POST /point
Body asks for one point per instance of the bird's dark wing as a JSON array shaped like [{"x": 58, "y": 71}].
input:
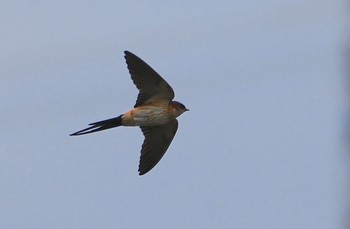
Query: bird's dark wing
[
  {"x": 151, "y": 85},
  {"x": 156, "y": 143}
]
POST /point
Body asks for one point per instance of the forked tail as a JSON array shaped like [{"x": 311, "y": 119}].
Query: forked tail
[{"x": 101, "y": 125}]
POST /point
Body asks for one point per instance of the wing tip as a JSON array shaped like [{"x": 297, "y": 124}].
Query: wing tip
[
  {"x": 128, "y": 54},
  {"x": 143, "y": 171}
]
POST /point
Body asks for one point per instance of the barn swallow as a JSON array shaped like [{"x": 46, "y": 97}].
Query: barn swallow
[{"x": 155, "y": 113}]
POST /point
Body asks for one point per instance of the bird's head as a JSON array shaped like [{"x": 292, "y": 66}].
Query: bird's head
[{"x": 178, "y": 108}]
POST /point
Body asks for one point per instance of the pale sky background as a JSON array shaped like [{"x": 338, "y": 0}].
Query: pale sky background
[{"x": 262, "y": 147}]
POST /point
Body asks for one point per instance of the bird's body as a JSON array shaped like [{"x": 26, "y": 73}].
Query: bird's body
[
  {"x": 150, "y": 115},
  {"x": 154, "y": 112}
]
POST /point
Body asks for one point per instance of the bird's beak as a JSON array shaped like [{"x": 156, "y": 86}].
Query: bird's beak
[{"x": 187, "y": 109}]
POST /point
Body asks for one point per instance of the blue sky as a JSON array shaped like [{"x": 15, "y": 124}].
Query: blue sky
[{"x": 263, "y": 145}]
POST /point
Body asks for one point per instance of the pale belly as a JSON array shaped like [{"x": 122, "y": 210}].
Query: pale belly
[{"x": 147, "y": 116}]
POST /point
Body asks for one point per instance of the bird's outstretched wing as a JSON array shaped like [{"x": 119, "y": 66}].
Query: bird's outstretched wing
[
  {"x": 152, "y": 86},
  {"x": 156, "y": 143}
]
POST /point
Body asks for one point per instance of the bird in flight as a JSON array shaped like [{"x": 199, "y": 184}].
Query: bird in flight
[{"x": 155, "y": 113}]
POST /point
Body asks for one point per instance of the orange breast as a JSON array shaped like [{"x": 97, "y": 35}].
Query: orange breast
[{"x": 147, "y": 115}]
